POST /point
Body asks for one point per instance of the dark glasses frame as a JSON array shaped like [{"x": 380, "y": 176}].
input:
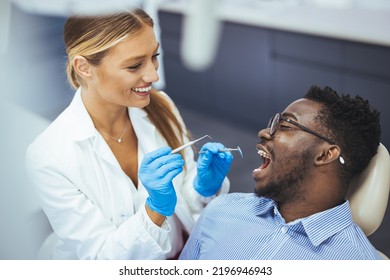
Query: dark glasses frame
[{"x": 274, "y": 124}]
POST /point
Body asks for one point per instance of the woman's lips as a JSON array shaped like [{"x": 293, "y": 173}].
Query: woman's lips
[{"x": 143, "y": 91}]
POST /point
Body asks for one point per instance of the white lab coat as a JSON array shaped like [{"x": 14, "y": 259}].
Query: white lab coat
[{"x": 88, "y": 198}]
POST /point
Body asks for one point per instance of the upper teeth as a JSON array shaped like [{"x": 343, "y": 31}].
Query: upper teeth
[
  {"x": 145, "y": 89},
  {"x": 263, "y": 154}
]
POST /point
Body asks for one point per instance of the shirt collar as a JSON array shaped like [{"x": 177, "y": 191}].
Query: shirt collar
[
  {"x": 83, "y": 127},
  {"x": 323, "y": 225},
  {"x": 144, "y": 129},
  {"x": 319, "y": 226},
  {"x": 265, "y": 206}
]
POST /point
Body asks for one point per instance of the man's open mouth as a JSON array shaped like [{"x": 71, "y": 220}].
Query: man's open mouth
[{"x": 266, "y": 160}]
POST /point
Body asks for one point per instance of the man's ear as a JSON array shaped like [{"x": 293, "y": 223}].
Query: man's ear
[
  {"x": 82, "y": 67},
  {"x": 328, "y": 154}
]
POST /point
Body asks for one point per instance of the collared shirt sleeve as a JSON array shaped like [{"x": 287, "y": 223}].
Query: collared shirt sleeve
[{"x": 191, "y": 250}]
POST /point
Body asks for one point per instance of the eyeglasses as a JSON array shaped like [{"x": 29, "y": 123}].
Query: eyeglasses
[{"x": 274, "y": 125}]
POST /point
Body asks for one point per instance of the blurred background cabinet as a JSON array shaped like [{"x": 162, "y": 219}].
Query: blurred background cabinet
[{"x": 259, "y": 71}]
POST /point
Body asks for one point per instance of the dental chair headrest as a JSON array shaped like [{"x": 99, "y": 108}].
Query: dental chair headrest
[{"x": 368, "y": 193}]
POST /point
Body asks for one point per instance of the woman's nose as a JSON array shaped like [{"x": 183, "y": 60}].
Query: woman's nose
[{"x": 150, "y": 75}]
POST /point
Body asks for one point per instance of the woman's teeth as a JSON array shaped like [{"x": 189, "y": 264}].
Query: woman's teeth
[{"x": 145, "y": 89}]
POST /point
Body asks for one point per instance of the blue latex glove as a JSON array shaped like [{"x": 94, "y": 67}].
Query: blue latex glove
[
  {"x": 212, "y": 169},
  {"x": 156, "y": 173}
]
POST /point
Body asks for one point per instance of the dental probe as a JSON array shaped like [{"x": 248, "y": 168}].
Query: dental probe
[
  {"x": 178, "y": 149},
  {"x": 238, "y": 149}
]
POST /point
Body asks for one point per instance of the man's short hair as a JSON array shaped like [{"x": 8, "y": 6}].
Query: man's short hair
[{"x": 351, "y": 122}]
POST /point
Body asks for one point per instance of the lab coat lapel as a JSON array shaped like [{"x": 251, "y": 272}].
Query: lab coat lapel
[
  {"x": 102, "y": 149},
  {"x": 148, "y": 138},
  {"x": 84, "y": 129},
  {"x": 80, "y": 121},
  {"x": 145, "y": 131}
]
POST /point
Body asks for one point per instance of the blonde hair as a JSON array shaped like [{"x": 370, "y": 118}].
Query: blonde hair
[{"x": 93, "y": 36}]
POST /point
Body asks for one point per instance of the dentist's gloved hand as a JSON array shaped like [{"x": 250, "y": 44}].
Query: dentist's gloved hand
[
  {"x": 156, "y": 173},
  {"x": 212, "y": 169}
]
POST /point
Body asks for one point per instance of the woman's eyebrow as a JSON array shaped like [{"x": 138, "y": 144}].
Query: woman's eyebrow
[{"x": 140, "y": 56}]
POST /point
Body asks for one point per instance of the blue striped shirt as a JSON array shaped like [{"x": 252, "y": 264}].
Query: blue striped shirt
[{"x": 242, "y": 226}]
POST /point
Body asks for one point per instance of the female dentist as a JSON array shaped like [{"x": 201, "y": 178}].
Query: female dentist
[{"x": 104, "y": 171}]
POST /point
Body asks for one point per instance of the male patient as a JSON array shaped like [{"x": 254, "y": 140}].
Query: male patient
[{"x": 310, "y": 153}]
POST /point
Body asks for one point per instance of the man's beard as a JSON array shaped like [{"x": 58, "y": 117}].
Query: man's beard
[{"x": 286, "y": 187}]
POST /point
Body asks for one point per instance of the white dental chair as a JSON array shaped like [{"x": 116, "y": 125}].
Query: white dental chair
[{"x": 368, "y": 193}]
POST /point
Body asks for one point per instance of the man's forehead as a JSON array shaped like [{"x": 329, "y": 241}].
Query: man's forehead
[{"x": 302, "y": 107}]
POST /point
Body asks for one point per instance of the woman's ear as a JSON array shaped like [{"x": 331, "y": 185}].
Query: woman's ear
[
  {"x": 328, "y": 154},
  {"x": 82, "y": 67}
]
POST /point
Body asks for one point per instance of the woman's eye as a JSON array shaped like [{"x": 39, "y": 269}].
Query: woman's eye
[
  {"x": 154, "y": 57},
  {"x": 134, "y": 67}
]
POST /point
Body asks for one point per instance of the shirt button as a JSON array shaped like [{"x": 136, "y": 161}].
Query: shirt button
[{"x": 284, "y": 229}]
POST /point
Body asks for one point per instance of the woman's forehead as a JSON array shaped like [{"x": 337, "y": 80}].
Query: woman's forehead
[{"x": 135, "y": 46}]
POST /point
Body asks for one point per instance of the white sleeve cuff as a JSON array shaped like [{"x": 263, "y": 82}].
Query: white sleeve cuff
[{"x": 159, "y": 234}]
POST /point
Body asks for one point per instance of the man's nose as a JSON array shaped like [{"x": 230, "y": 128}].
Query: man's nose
[{"x": 264, "y": 134}]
